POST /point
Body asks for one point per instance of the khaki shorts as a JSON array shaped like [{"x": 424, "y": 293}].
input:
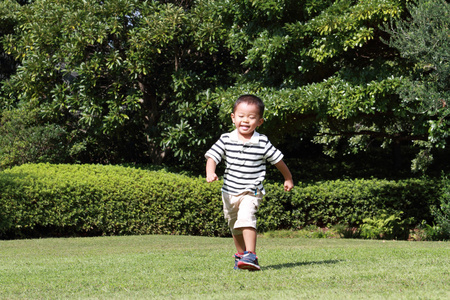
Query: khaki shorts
[{"x": 239, "y": 210}]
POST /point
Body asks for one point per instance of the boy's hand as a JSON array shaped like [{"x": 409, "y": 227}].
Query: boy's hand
[
  {"x": 288, "y": 182},
  {"x": 211, "y": 177},
  {"x": 288, "y": 185}
]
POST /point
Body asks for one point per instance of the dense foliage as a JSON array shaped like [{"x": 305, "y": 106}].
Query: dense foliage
[
  {"x": 67, "y": 200},
  {"x": 61, "y": 200},
  {"x": 120, "y": 77},
  {"x": 424, "y": 38},
  {"x": 23, "y": 140},
  {"x": 441, "y": 212},
  {"x": 153, "y": 81}
]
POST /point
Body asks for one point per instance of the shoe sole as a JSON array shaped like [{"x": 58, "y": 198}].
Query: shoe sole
[{"x": 247, "y": 266}]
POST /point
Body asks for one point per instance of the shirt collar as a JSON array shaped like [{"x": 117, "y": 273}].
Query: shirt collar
[{"x": 253, "y": 140}]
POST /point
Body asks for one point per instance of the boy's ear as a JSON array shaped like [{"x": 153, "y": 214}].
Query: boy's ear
[{"x": 261, "y": 121}]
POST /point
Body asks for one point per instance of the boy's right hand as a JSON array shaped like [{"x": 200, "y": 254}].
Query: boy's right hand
[{"x": 211, "y": 177}]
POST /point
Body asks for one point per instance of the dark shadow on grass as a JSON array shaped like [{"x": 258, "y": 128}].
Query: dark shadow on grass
[{"x": 303, "y": 263}]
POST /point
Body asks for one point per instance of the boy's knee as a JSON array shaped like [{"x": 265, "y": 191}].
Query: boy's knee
[{"x": 231, "y": 223}]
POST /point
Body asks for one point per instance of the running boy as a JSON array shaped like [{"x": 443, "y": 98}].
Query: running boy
[{"x": 245, "y": 152}]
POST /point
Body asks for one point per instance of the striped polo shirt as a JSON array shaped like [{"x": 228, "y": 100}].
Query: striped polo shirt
[{"x": 245, "y": 162}]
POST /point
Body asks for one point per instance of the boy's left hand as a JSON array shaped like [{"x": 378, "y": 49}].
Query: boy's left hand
[{"x": 288, "y": 185}]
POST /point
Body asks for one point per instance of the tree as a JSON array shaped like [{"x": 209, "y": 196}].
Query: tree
[
  {"x": 24, "y": 139},
  {"x": 8, "y": 20},
  {"x": 149, "y": 81},
  {"x": 324, "y": 71},
  {"x": 115, "y": 74},
  {"x": 424, "y": 39}
]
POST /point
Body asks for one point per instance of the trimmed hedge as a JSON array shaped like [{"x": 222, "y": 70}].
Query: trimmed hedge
[
  {"x": 347, "y": 202},
  {"x": 73, "y": 200},
  {"x": 64, "y": 200}
]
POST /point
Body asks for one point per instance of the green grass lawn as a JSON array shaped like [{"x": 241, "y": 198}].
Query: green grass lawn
[{"x": 184, "y": 267}]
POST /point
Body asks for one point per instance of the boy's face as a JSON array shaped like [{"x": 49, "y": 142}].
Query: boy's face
[{"x": 246, "y": 118}]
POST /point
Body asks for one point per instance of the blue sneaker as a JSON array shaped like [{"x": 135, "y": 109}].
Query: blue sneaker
[
  {"x": 237, "y": 258},
  {"x": 249, "y": 262}
]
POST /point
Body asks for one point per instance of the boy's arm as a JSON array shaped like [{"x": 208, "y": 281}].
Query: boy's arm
[
  {"x": 288, "y": 182},
  {"x": 211, "y": 170}
]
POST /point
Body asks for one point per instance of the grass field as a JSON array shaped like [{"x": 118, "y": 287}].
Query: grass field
[{"x": 184, "y": 267}]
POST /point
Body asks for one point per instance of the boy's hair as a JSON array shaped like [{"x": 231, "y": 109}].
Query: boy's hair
[{"x": 250, "y": 99}]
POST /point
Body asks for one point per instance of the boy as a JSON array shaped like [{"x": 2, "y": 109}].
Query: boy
[{"x": 245, "y": 152}]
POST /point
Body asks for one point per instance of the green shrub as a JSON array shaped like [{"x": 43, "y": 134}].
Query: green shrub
[
  {"x": 23, "y": 140},
  {"x": 52, "y": 200},
  {"x": 346, "y": 202},
  {"x": 427, "y": 232},
  {"x": 69, "y": 200},
  {"x": 442, "y": 212},
  {"x": 386, "y": 226}
]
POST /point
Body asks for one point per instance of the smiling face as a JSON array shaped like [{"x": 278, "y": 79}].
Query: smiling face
[{"x": 246, "y": 117}]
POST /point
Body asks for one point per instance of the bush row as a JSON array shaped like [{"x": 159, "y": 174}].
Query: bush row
[
  {"x": 62, "y": 200},
  {"x": 68, "y": 200},
  {"x": 348, "y": 202}
]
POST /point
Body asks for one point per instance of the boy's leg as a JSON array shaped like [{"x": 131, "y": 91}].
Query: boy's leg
[
  {"x": 240, "y": 248},
  {"x": 239, "y": 242},
  {"x": 230, "y": 209},
  {"x": 245, "y": 241},
  {"x": 245, "y": 245},
  {"x": 240, "y": 212},
  {"x": 249, "y": 236},
  {"x": 246, "y": 222}
]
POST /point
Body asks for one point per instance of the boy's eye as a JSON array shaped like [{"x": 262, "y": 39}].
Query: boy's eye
[{"x": 243, "y": 116}]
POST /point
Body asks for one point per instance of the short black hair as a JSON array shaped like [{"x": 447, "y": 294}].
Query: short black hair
[{"x": 250, "y": 99}]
